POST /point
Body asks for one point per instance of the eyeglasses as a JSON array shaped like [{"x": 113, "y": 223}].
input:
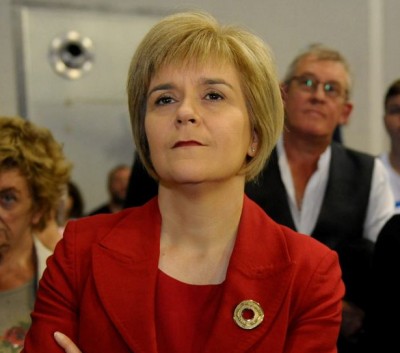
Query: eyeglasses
[{"x": 308, "y": 83}]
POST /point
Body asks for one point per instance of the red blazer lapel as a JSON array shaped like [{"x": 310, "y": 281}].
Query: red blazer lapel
[
  {"x": 260, "y": 270},
  {"x": 125, "y": 277}
]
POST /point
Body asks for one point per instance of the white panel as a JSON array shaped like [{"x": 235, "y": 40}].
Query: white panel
[
  {"x": 89, "y": 115},
  {"x": 8, "y": 81},
  {"x": 375, "y": 89}
]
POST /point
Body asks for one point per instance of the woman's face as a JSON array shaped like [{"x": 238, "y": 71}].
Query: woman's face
[
  {"x": 197, "y": 123},
  {"x": 16, "y": 212}
]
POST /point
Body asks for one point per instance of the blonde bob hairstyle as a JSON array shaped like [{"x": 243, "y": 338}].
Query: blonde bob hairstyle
[
  {"x": 196, "y": 37},
  {"x": 33, "y": 151}
]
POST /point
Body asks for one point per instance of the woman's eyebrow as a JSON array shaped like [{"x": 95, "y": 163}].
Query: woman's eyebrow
[
  {"x": 203, "y": 81},
  {"x": 216, "y": 81},
  {"x": 160, "y": 87}
]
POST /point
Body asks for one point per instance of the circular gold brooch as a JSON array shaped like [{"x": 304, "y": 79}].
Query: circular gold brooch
[{"x": 248, "y": 314}]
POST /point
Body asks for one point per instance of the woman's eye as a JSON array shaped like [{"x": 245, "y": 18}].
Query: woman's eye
[
  {"x": 7, "y": 199},
  {"x": 213, "y": 96},
  {"x": 164, "y": 100}
]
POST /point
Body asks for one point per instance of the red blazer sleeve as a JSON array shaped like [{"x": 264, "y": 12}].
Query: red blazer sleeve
[{"x": 318, "y": 310}]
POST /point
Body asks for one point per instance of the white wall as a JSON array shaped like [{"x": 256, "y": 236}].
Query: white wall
[
  {"x": 8, "y": 82},
  {"x": 365, "y": 31}
]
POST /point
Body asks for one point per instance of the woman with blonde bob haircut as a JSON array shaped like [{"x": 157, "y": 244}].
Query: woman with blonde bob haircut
[
  {"x": 196, "y": 38},
  {"x": 199, "y": 267}
]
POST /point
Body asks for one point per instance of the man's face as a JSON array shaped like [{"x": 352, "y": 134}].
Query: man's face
[
  {"x": 392, "y": 118},
  {"x": 316, "y": 98}
]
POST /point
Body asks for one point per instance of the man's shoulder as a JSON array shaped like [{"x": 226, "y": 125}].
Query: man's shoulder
[
  {"x": 352, "y": 157},
  {"x": 338, "y": 148}
]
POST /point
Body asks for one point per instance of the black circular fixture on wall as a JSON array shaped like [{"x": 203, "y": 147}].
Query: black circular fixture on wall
[{"x": 71, "y": 55}]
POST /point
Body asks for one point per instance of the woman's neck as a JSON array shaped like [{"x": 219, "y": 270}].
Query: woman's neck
[
  {"x": 17, "y": 265},
  {"x": 198, "y": 231}
]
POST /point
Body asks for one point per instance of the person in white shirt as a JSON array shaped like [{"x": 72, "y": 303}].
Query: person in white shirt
[{"x": 319, "y": 187}]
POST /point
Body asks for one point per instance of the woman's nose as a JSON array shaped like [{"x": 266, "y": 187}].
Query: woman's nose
[
  {"x": 187, "y": 113},
  {"x": 186, "y": 119}
]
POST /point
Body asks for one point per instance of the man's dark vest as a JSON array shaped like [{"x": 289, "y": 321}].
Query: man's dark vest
[
  {"x": 341, "y": 220},
  {"x": 344, "y": 206}
]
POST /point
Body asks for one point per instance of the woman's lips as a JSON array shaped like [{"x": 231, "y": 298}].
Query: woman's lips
[{"x": 187, "y": 144}]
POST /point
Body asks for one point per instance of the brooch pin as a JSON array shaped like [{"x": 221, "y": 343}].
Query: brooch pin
[{"x": 248, "y": 314}]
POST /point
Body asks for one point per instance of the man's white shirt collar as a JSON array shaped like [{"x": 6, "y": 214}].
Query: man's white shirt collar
[{"x": 305, "y": 218}]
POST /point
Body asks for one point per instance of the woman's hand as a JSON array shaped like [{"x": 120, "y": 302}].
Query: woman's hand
[{"x": 66, "y": 343}]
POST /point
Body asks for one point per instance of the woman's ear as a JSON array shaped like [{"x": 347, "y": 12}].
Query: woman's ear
[
  {"x": 37, "y": 215},
  {"x": 254, "y": 145}
]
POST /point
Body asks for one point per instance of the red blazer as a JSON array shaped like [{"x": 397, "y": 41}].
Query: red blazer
[{"x": 99, "y": 287}]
